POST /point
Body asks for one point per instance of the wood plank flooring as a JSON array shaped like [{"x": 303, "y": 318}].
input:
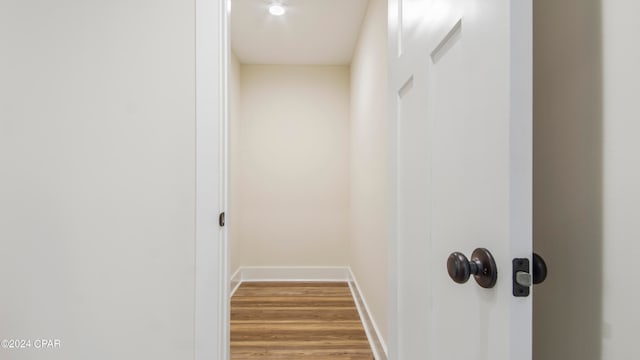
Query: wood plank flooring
[{"x": 296, "y": 320}]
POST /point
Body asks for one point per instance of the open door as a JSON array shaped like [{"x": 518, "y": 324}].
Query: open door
[{"x": 461, "y": 155}]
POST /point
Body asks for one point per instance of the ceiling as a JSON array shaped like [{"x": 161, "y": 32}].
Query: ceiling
[{"x": 318, "y": 32}]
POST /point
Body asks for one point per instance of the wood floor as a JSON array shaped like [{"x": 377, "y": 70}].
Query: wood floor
[{"x": 296, "y": 320}]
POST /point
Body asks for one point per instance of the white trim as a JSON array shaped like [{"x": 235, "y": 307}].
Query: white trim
[
  {"x": 370, "y": 327},
  {"x": 235, "y": 282},
  {"x": 211, "y": 325},
  {"x": 521, "y": 169},
  {"x": 294, "y": 273}
]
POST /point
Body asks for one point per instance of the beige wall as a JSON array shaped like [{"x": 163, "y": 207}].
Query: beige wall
[
  {"x": 234, "y": 121},
  {"x": 368, "y": 256},
  {"x": 97, "y": 178},
  {"x": 291, "y": 156},
  {"x": 586, "y": 178}
]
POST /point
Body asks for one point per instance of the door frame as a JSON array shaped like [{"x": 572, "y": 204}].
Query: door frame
[{"x": 211, "y": 314}]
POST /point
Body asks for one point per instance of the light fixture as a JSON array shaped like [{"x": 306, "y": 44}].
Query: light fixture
[{"x": 277, "y": 10}]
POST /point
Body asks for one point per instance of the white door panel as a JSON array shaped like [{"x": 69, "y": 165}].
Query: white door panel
[
  {"x": 412, "y": 202},
  {"x": 461, "y": 125}
]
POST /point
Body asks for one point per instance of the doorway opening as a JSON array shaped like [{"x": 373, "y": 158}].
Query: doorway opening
[{"x": 307, "y": 175}]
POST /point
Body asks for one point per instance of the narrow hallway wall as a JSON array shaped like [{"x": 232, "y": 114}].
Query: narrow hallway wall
[
  {"x": 235, "y": 107},
  {"x": 368, "y": 256}
]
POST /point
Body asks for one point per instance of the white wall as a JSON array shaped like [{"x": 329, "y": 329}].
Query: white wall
[
  {"x": 291, "y": 197},
  {"x": 586, "y": 179},
  {"x": 621, "y": 180},
  {"x": 97, "y": 178},
  {"x": 368, "y": 255}
]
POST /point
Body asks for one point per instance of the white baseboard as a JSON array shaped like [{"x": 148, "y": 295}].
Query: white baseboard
[
  {"x": 235, "y": 281},
  {"x": 317, "y": 273},
  {"x": 370, "y": 327},
  {"x": 294, "y": 273}
]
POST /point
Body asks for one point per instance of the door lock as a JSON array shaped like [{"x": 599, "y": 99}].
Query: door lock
[{"x": 523, "y": 279}]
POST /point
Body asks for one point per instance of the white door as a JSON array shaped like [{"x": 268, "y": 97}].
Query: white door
[{"x": 461, "y": 153}]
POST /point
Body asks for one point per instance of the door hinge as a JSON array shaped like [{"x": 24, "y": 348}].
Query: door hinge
[{"x": 221, "y": 219}]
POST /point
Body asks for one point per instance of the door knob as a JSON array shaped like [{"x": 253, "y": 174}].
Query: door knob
[
  {"x": 482, "y": 266},
  {"x": 539, "y": 269}
]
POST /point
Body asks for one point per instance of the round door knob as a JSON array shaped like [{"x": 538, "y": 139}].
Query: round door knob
[
  {"x": 482, "y": 266},
  {"x": 458, "y": 267},
  {"x": 539, "y": 269}
]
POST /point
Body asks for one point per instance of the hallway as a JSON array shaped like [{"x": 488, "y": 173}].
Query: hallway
[{"x": 294, "y": 320}]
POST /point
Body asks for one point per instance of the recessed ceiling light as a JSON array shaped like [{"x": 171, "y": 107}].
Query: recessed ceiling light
[{"x": 277, "y": 10}]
